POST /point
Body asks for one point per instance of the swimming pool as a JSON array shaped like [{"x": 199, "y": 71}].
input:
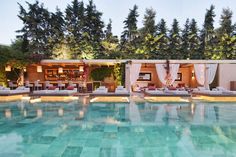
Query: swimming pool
[{"x": 117, "y": 129}]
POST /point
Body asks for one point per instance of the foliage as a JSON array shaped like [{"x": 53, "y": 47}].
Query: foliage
[
  {"x": 99, "y": 74},
  {"x": 78, "y": 33},
  {"x": 117, "y": 73}
]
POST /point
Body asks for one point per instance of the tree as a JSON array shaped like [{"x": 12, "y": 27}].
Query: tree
[
  {"x": 130, "y": 39},
  {"x": 175, "y": 41},
  {"x": 94, "y": 28},
  {"x": 130, "y": 28},
  {"x": 149, "y": 26},
  {"x": 225, "y": 49},
  {"x": 185, "y": 40},
  {"x": 208, "y": 38},
  {"x": 163, "y": 41},
  {"x": 194, "y": 41},
  {"x": 36, "y": 29}
]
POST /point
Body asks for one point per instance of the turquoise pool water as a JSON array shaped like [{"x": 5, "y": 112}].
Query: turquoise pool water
[{"x": 117, "y": 129}]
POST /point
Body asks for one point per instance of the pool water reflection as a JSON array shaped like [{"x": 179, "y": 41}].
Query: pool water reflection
[{"x": 117, "y": 129}]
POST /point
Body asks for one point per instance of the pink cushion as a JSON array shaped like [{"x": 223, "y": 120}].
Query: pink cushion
[
  {"x": 70, "y": 88},
  {"x": 151, "y": 88},
  {"x": 51, "y": 88},
  {"x": 172, "y": 88}
]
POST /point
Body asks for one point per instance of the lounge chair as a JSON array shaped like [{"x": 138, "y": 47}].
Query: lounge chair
[
  {"x": 204, "y": 91},
  {"x": 18, "y": 91},
  {"x": 121, "y": 90},
  {"x": 226, "y": 91},
  {"x": 70, "y": 83},
  {"x": 55, "y": 92},
  {"x": 101, "y": 90}
]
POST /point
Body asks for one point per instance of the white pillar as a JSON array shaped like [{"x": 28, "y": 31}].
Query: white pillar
[{"x": 206, "y": 84}]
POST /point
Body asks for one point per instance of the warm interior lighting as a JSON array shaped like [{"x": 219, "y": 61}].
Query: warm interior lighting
[
  {"x": 39, "y": 113},
  {"x": 81, "y": 114},
  {"x": 81, "y": 69},
  {"x": 60, "y": 112},
  {"x": 193, "y": 74},
  {"x": 39, "y": 69},
  {"x": 60, "y": 70},
  {"x": 8, "y": 113},
  {"x": 24, "y": 69},
  {"x": 8, "y": 68}
]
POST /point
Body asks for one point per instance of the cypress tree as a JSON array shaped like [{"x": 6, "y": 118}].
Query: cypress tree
[
  {"x": 163, "y": 41},
  {"x": 185, "y": 40},
  {"x": 149, "y": 23},
  {"x": 175, "y": 41}
]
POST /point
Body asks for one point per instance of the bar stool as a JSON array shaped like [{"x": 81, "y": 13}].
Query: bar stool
[
  {"x": 60, "y": 85},
  {"x": 37, "y": 85},
  {"x": 47, "y": 84},
  {"x": 12, "y": 85}
]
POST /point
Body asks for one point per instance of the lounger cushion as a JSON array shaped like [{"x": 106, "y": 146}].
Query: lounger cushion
[
  {"x": 70, "y": 88},
  {"x": 51, "y": 88}
]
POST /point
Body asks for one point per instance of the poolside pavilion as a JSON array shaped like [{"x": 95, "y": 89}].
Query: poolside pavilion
[{"x": 137, "y": 72}]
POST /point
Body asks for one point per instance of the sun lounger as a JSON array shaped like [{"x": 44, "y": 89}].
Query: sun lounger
[
  {"x": 166, "y": 93},
  {"x": 121, "y": 90},
  {"x": 18, "y": 91},
  {"x": 101, "y": 90},
  {"x": 55, "y": 92}
]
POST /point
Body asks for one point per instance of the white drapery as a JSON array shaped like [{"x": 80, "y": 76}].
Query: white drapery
[
  {"x": 205, "y": 73},
  {"x": 174, "y": 68},
  {"x": 211, "y": 72},
  {"x": 134, "y": 72},
  {"x": 161, "y": 72},
  {"x": 200, "y": 73},
  {"x": 132, "y": 75}
]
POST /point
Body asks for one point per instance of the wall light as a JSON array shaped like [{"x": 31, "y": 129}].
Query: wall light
[
  {"x": 8, "y": 68},
  {"x": 24, "y": 69},
  {"x": 39, "y": 69},
  {"x": 60, "y": 70},
  {"x": 81, "y": 69},
  {"x": 193, "y": 75}
]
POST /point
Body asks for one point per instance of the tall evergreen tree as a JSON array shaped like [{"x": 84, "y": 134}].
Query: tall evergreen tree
[
  {"x": 185, "y": 40},
  {"x": 207, "y": 35},
  {"x": 163, "y": 41},
  {"x": 175, "y": 41},
  {"x": 74, "y": 24},
  {"x": 194, "y": 41},
  {"x": 94, "y": 28},
  {"x": 149, "y": 24},
  {"x": 36, "y": 29},
  {"x": 130, "y": 28}
]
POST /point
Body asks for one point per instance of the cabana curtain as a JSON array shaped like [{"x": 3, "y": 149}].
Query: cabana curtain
[
  {"x": 200, "y": 73},
  {"x": 205, "y": 74},
  {"x": 161, "y": 72},
  {"x": 174, "y": 68},
  {"x": 134, "y": 73},
  {"x": 211, "y": 72}
]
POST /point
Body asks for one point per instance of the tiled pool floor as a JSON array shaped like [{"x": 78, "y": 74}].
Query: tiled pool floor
[{"x": 117, "y": 130}]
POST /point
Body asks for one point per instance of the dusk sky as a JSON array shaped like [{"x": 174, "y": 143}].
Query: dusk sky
[{"x": 118, "y": 10}]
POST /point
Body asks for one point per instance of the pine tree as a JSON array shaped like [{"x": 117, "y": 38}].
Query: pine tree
[
  {"x": 130, "y": 38},
  {"x": 163, "y": 41},
  {"x": 130, "y": 28},
  {"x": 194, "y": 42},
  {"x": 36, "y": 28},
  {"x": 185, "y": 40},
  {"x": 149, "y": 26},
  {"x": 94, "y": 28},
  {"x": 175, "y": 41},
  {"x": 207, "y": 35},
  {"x": 74, "y": 24},
  {"x": 225, "y": 33}
]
